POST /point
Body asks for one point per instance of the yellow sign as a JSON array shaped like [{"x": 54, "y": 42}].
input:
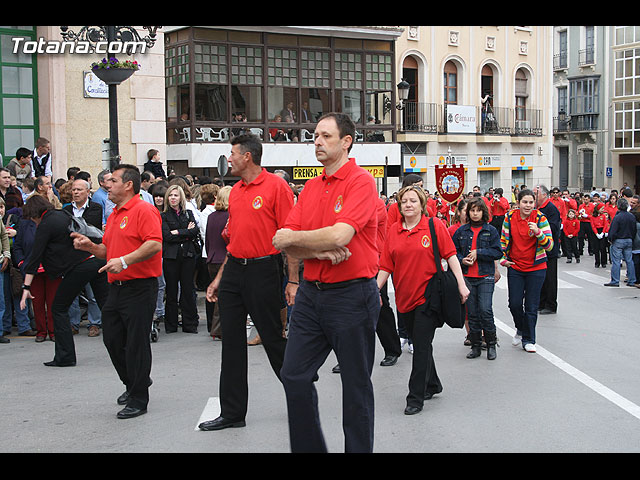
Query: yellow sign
[
  {"x": 377, "y": 172},
  {"x": 305, "y": 173}
]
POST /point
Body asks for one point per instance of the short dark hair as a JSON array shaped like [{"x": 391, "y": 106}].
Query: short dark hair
[
  {"x": 35, "y": 206},
  {"x": 345, "y": 125},
  {"x": 22, "y": 152},
  {"x": 151, "y": 153},
  {"x": 478, "y": 202},
  {"x": 130, "y": 174},
  {"x": 411, "y": 179},
  {"x": 249, "y": 143},
  {"x": 82, "y": 175},
  {"x": 145, "y": 176},
  {"x": 524, "y": 193},
  {"x": 72, "y": 172}
]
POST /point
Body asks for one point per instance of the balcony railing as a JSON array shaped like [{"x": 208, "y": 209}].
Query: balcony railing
[
  {"x": 576, "y": 123},
  {"x": 560, "y": 61},
  {"x": 586, "y": 57},
  {"x": 430, "y": 118}
]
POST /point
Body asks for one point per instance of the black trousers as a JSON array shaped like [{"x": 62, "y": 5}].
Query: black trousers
[
  {"x": 69, "y": 288},
  {"x": 585, "y": 233},
  {"x": 254, "y": 289},
  {"x": 421, "y": 324},
  {"x": 180, "y": 272},
  {"x": 343, "y": 320},
  {"x": 126, "y": 324},
  {"x": 386, "y": 329},
  {"x": 600, "y": 250},
  {"x": 549, "y": 292}
]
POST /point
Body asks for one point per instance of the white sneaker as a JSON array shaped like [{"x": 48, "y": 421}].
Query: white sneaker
[
  {"x": 517, "y": 340},
  {"x": 411, "y": 348},
  {"x": 530, "y": 347}
]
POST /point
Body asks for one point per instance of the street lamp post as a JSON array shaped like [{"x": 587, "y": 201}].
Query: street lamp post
[{"x": 94, "y": 35}]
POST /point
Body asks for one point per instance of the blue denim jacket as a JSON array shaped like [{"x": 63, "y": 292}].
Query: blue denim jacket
[{"x": 487, "y": 247}]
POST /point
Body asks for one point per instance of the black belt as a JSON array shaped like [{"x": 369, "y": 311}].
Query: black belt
[
  {"x": 122, "y": 283},
  {"x": 246, "y": 261},
  {"x": 330, "y": 286}
]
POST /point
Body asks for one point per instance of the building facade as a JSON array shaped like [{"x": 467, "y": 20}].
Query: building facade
[
  {"x": 581, "y": 107},
  {"x": 498, "y": 79},
  {"x": 275, "y": 82},
  {"x": 54, "y": 95}
]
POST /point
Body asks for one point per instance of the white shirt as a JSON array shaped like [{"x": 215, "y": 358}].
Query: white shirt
[
  {"x": 78, "y": 211},
  {"x": 47, "y": 167}
]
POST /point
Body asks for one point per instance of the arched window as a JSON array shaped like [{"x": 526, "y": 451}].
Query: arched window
[
  {"x": 450, "y": 83},
  {"x": 522, "y": 89}
]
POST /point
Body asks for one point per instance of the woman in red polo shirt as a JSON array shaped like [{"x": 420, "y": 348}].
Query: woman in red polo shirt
[{"x": 408, "y": 246}]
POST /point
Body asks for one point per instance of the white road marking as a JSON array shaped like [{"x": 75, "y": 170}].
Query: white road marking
[
  {"x": 582, "y": 377},
  {"x": 502, "y": 283},
  {"x": 211, "y": 411},
  {"x": 590, "y": 277}
]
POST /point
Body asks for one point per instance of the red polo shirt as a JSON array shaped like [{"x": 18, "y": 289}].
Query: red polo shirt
[
  {"x": 128, "y": 227},
  {"x": 256, "y": 211},
  {"x": 408, "y": 255},
  {"x": 348, "y": 196}
]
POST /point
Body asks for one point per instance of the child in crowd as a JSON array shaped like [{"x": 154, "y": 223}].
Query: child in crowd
[
  {"x": 570, "y": 230},
  {"x": 478, "y": 247},
  {"x": 600, "y": 227}
]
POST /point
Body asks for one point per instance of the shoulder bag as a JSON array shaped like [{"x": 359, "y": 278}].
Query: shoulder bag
[{"x": 445, "y": 296}]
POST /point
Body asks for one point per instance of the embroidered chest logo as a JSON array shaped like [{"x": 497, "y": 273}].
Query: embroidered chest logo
[
  {"x": 124, "y": 222},
  {"x": 426, "y": 242},
  {"x": 257, "y": 202},
  {"x": 338, "y": 206}
]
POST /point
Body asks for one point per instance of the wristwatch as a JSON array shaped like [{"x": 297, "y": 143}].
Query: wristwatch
[
  {"x": 26, "y": 287},
  {"x": 124, "y": 264}
]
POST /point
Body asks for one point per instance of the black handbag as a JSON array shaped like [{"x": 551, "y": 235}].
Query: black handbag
[{"x": 445, "y": 296}]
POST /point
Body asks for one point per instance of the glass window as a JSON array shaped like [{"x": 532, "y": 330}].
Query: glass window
[
  {"x": 17, "y": 80},
  {"x": 283, "y": 103},
  {"x": 211, "y": 102},
  {"x": 350, "y": 102},
  {"x": 246, "y": 104},
  {"x": 378, "y": 108},
  {"x": 315, "y": 103},
  {"x": 314, "y": 68}
]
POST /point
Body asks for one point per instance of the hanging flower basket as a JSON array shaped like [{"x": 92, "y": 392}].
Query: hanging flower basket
[{"x": 114, "y": 72}]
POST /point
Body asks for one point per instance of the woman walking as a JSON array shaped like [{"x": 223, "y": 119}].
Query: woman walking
[
  {"x": 526, "y": 237},
  {"x": 409, "y": 244}
]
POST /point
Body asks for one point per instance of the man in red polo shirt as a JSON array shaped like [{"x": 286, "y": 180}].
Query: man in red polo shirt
[
  {"x": 132, "y": 246},
  {"x": 250, "y": 279},
  {"x": 333, "y": 227}
]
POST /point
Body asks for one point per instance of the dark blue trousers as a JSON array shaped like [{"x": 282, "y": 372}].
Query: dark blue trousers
[
  {"x": 524, "y": 298},
  {"x": 343, "y": 320}
]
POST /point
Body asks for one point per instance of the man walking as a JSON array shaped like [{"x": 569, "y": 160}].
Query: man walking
[
  {"x": 338, "y": 303},
  {"x": 132, "y": 246},
  {"x": 549, "y": 293},
  {"x": 250, "y": 279},
  {"x": 621, "y": 234}
]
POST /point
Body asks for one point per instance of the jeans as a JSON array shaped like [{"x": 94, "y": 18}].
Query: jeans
[
  {"x": 93, "y": 311},
  {"x": 621, "y": 249},
  {"x": 12, "y": 305},
  {"x": 160, "y": 300},
  {"x": 480, "y": 303},
  {"x": 524, "y": 298}
]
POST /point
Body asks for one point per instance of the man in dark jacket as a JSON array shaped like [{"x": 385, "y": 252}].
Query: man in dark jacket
[
  {"x": 549, "y": 293},
  {"x": 621, "y": 234}
]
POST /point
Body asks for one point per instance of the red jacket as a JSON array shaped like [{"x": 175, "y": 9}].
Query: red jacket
[
  {"x": 571, "y": 227},
  {"x": 600, "y": 222}
]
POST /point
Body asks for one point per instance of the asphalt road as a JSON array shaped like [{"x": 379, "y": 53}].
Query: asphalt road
[{"x": 579, "y": 393}]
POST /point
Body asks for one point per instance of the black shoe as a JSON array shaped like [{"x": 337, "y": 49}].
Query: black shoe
[
  {"x": 130, "y": 412},
  {"x": 124, "y": 398},
  {"x": 412, "y": 410},
  {"x": 569, "y": 261},
  {"x": 388, "y": 361},
  {"x": 611, "y": 284},
  {"x": 429, "y": 395},
  {"x": 53, "y": 363},
  {"x": 220, "y": 423},
  {"x": 545, "y": 311},
  {"x": 577, "y": 259},
  {"x": 336, "y": 369},
  {"x": 4, "y": 340}
]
